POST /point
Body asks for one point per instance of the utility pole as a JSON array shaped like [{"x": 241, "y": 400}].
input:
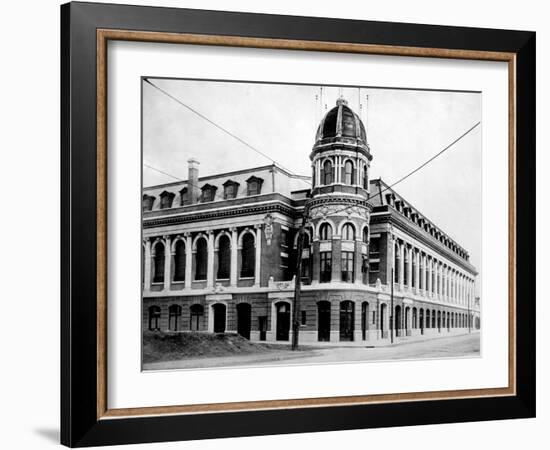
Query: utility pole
[
  {"x": 391, "y": 282},
  {"x": 298, "y": 283}
]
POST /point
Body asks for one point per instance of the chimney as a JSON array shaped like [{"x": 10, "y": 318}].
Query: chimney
[{"x": 193, "y": 190}]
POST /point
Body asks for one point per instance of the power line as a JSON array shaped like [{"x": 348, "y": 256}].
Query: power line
[
  {"x": 202, "y": 116},
  {"x": 418, "y": 168}
]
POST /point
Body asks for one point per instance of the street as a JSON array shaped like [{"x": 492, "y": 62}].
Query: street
[{"x": 444, "y": 347}]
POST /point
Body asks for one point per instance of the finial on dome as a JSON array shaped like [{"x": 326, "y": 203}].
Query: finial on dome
[{"x": 342, "y": 101}]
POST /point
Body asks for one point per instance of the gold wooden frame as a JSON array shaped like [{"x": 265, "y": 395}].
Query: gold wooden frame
[{"x": 104, "y": 35}]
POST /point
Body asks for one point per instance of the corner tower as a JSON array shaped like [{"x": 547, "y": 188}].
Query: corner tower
[{"x": 339, "y": 211}]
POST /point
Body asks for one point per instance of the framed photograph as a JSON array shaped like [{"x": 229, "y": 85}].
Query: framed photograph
[{"x": 276, "y": 224}]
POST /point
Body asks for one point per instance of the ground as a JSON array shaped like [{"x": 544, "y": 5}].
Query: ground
[{"x": 467, "y": 345}]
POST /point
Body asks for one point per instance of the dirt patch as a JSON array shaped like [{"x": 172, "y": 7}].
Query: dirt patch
[{"x": 159, "y": 347}]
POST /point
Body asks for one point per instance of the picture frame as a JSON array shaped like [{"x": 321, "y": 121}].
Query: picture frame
[{"x": 86, "y": 418}]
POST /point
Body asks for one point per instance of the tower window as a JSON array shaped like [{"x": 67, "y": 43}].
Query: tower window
[
  {"x": 327, "y": 173},
  {"x": 325, "y": 232},
  {"x": 348, "y": 232},
  {"x": 349, "y": 173},
  {"x": 326, "y": 266},
  {"x": 347, "y": 267}
]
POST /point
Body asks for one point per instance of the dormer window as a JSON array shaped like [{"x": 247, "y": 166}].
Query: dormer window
[
  {"x": 254, "y": 185},
  {"x": 230, "y": 189},
  {"x": 184, "y": 199},
  {"x": 208, "y": 193},
  {"x": 147, "y": 203},
  {"x": 166, "y": 199}
]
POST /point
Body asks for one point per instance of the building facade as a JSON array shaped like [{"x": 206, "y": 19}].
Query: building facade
[{"x": 219, "y": 252}]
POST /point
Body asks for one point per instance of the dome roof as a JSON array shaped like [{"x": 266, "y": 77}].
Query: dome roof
[{"x": 341, "y": 122}]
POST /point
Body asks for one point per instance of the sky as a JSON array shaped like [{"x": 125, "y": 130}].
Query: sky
[{"x": 404, "y": 127}]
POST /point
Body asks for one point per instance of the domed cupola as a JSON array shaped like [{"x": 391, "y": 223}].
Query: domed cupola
[
  {"x": 341, "y": 156},
  {"x": 341, "y": 122}
]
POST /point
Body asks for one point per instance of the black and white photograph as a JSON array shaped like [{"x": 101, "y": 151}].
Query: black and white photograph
[{"x": 305, "y": 224}]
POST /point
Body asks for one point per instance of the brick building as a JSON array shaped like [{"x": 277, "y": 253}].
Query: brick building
[{"x": 219, "y": 252}]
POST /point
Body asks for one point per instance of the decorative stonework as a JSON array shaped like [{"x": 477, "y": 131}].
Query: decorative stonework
[{"x": 268, "y": 229}]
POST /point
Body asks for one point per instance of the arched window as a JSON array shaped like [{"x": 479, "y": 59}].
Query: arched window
[
  {"x": 224, "y": 257},
  {"x": 197, "y": 312},
  {"x": 327, "y": 175},
  {"x": 174, "y": 317},
  {"x": 158, "y": 262},
  {"x": 248, "y": 256},
  {"x": 349, "y": 173},
  {"x": 166, "y": 199},
  {"x": 154, "y": 318},
  {"x": 325, "y": 232},
  {"x": 365, "y": 177},
  {"x": 201, "y": 259},
  {"x": 348, "y": 232},
  {"x": 366, "y": 235},
  {"x": 179, "y": 261},
  {"x": 148, "y": 201}
]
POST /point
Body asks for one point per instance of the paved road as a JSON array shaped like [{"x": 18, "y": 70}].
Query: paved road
[{"x": 444, "y": 347}]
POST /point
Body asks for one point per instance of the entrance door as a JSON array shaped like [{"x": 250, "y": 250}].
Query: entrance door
[
  {"x": 244, "y": 312},
  {"x": 323, "y": 323},
  {"x": 219, "y": 317},
  {"x": 346, "y": 320},
  {"x": 283, "y": 321}
]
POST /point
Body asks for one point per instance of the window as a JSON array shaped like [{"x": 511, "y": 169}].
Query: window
[
  {"x": 366, "y": 235},
  {"x": 179, "y": 261},
  {"x": 365, "y": 177},
  {"x": 174, "y": 317},
  {"x": 166, "y": 199},
  {"x": 254, "y": 185},
  {"x": 303, "y": 318},
  {"x": 349, "y": 173},
  {"x": 148, "y": 201},
  {"x": 154, "y": 318},
  {"x": 208, "y": 193},
  {"x": 347, "y": 267},
  {"x": 374, "y": 248},
  {"x": 374, "y": 266},
  {"x": 158, "y": 262},
  {"x": 248, "y": 256},
  {"x": 201, "y": 259},
  {"x": 325, "y": 232},
  {"x": 327, "y": 174},
  {"x": 348, "y": 232},
  {"x": 413, "y": 277},
  {"x": 230, "y": 189},
  {"x": 197, "y": 312},
  {"x": 326, "y": 266},
  {"x": 224, "y": 257}
]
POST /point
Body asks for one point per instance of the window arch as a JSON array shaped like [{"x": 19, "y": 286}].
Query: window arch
[
  {"x": 348, "y": 232},
  {"x": 248, "y": 255},
  {"x": 348, "y": 172},
  {"x": 201, "y": 259},
  {"x": 154, "y": 318},
  {"x": 224, "y": 257},
  {"x": 158, "y": 263},
  {"x": 327, "y": 172},
  {"x": 174, "y": 317},
  {"x": 325, "y": 232},
  {"x": 179, "y": 260}
]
